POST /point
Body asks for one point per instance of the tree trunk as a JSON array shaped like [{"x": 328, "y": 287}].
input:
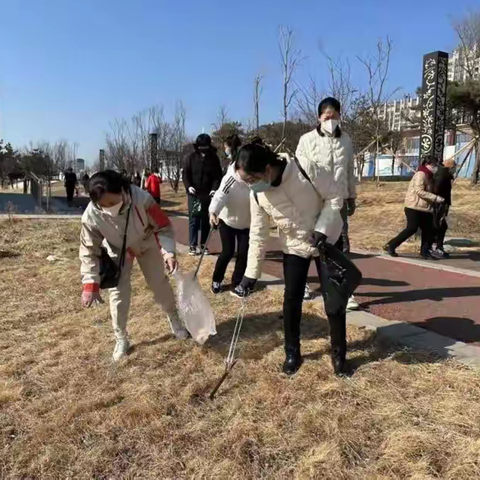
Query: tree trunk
[
  {"x": 476, "y": 167},
  {"x": 393, "y": 165}
]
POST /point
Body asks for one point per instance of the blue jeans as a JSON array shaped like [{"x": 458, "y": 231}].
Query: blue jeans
[{"x": 198, "y": 222}]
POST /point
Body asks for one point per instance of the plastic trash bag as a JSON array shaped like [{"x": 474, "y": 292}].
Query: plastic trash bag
[
  {"x": 339, "y": 277},
  {"x": 194, "y": 308}
]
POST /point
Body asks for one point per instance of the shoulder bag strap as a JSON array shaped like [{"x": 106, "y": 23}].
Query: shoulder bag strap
[
  {"x": 305, "y": 174},
  {"x": 124, "y": 246}
]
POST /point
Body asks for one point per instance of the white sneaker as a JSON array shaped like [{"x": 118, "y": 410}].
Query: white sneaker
[
  {"x": 308, "y": 293},
  {"x": 352, "y": 304},
  {"x": 121, "y": 349}
]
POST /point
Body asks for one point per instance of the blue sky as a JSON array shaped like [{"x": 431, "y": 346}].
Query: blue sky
[{"x": 69, "y": 67}]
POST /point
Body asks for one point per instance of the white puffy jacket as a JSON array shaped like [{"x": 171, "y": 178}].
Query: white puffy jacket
[
  {"x": 148, "y": 225},
  {"x": 297, "y": 209},
  {"x": 334, "y": 154},
  {"x": 232, "y": 201}
]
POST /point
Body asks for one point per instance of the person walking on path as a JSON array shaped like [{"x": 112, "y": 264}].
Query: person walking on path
[
  {"x": 330, "y": 147},
  {"x": 442, "y": 186},
  {"x": 85, "y": 179},
  {"x": 153, "y": 185},
  {"x": 202, "y": 174},
  {"x": 419, "y": 202},
  {"x": 145, "y": 175},
  {"x": 149, "y": 238},
  {"x": 307, "y": 215},
  {"x": 230, "y": 212},
  {"x": 137, "y": 180},
  {"x": 71, "y": 183}
]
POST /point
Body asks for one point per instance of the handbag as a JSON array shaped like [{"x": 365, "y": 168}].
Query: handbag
[{"x": 110, "y": 272}]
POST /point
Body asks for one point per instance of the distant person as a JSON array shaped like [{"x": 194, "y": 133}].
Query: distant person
[
  {"x": 71, "y": 183},
  {"x": 419, "y": 202},
  {"x": 328, "y": 146},
  {"x": 230, "y": 212},
  {"x": 85, "y": 179},
  {"x": 149, "y": 240},
  {"x": 230, "y": 147},
  {"x": 153, "y": 185},
  {"x": 202, "y": 174},
  {"x": 442, "y": 186},
  {"x": 137, "y": 180},
  {"x": 145, "y": 175}
]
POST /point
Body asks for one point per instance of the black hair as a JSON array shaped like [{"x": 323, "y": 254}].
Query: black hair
[
  {"x": 107, "y": 181},
  {"x": 430, "y": 160},
  {"x": 234, "y": 142},
  {"x": 254, "y": 158},
  {"x": 257, "y": 140},
  {"x": 203, "y": 141},
  {"x": 329, "y": 102}
]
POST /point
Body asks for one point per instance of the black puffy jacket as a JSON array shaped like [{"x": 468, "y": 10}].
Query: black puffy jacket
[{"x": 204, "y": 174}]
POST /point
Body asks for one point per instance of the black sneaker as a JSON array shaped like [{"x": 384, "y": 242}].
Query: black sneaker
[
  {"x": 205, "y": 251},
  {"x": 192, "y": 251},
  {"x": 239, "y": 292},
  {"x": 216, "y": 287},
  {"x": 390, "y": 250},
  {"x": 427, "y": 255}
]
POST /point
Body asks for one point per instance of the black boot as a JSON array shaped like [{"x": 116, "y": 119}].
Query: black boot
[
  {"x": 339, "y": 362},
  {"x": 293, "y": 361},
  {"x": 389, "y": 250}
]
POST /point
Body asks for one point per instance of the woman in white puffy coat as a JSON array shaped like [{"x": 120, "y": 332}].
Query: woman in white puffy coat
[
  {"x": 328, "y": 146},
  {"x": 230, "y": 212},
  {"x": 306, "y": 214}
]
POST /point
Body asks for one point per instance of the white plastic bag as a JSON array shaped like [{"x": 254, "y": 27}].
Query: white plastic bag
[{"x": 194, "y": 308}]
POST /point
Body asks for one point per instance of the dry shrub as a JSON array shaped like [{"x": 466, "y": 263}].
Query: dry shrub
[{"x": 67, "y": 412}]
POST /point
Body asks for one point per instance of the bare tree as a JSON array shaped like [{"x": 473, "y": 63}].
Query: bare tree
[
  {"x": 377, "y": 68},
  {"x": 178, "y": 140},
  {"x": 290, "y": 58},
  {"x": 257, "y": 93},
  {"x": 468, "y": 32},
  {"x": 307, "y": 101}
]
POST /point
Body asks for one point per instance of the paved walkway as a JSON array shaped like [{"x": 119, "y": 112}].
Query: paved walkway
[{"x": 442, "y": 301}]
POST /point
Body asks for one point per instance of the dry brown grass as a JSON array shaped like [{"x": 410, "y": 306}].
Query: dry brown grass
[
  {"x": 67, "y": 412},
  {"x": 380, "y": 215}
]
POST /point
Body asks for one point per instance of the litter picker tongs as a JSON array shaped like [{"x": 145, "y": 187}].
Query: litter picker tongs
[
  {"x": 203, "y": 254},
  {"x": 230, "y": 360}
]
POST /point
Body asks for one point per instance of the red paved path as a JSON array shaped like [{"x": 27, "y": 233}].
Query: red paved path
[{"x": 445, "y": 302}]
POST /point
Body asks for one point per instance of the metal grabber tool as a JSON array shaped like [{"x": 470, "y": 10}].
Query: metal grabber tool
[
  {"x": 230, "y": 360},
  {"x": 203, "y": 253}
]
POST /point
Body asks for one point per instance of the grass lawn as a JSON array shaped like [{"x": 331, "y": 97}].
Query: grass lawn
[{"x": 67, "y": 412}]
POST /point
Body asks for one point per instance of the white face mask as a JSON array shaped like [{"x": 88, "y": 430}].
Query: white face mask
[
  {"x": 113, "y": 211},
  {"x": 329, "y": 126}
]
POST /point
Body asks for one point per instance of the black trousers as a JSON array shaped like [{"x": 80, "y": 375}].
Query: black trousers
[
  {"x": 232, "y": 237},
  {"x": 415, "y": 220},
  {"x": 441, "y": 231},
  {"x": 198, "y": 222},
  {"x": 343, "y": 243},
  {"x": 70, "y": 192},
  {"x": 295, "y": 271}
]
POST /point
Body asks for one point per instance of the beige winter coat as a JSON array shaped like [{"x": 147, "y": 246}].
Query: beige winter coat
[
  {"x": 297, "y": 210},
  {"x": 419, "y": 194},
  {"x": 334, "y": 154},
  {"x": 148, "y": 225}
]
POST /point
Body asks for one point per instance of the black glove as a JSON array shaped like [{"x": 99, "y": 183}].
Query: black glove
[
  {"x": 351, "y": 206},
  {"x": 246, "y": 287},
  {"x": 317, "y": 239}
]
